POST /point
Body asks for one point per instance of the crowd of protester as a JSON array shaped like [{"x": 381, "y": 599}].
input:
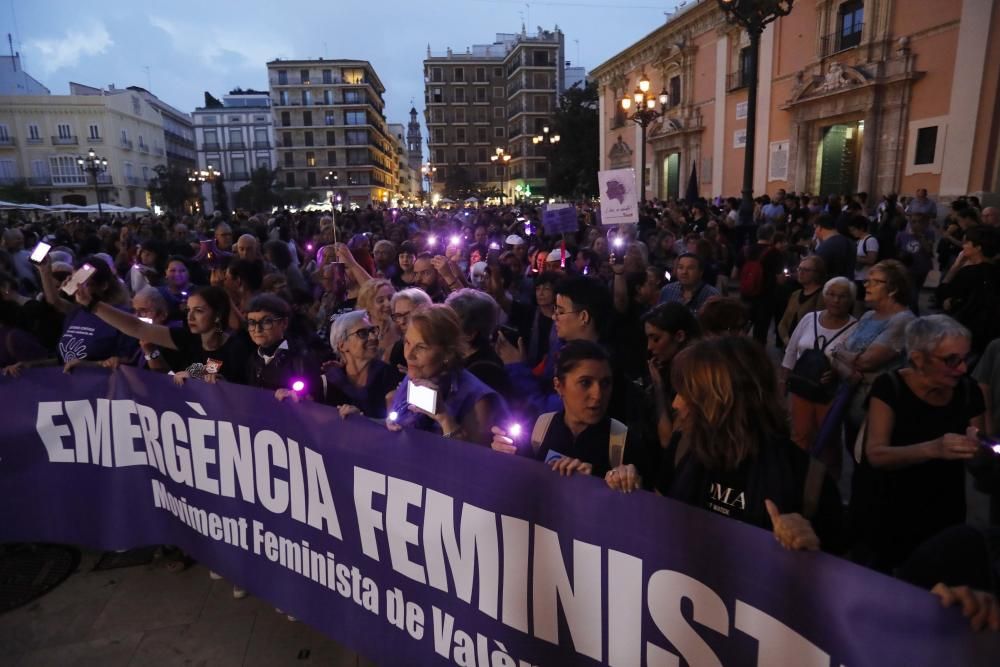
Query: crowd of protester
[{"x": 780, "y": 373}]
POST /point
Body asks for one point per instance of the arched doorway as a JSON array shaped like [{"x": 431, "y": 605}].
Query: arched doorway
[
  {"x": 840, "y": 158},
  {"x": 670, "y": 174}
]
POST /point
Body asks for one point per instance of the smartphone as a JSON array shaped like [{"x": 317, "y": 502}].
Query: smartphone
[
  {"x": 510, "y": 333},
  {"x": 81, "y": 276},
  {"x": 424, "y": 398},
  {"x": 40, "y": 252},
  {"x": 992, "y": 444},
  {"x": 147, "y": 320}
]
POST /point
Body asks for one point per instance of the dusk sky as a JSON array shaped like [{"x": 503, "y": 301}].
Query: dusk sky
[{"x": 190, "y": 47}]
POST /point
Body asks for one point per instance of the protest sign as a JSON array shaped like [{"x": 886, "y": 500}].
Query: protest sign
[
  {"x": 417, "y": 550},
  {"x": 560, "y": 219},
  {"x": 619, "y": 201}
]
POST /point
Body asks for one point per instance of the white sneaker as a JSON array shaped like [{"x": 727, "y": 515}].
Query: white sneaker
[
  {"x": 239, "y": 593},
  {"x": 214, "y": 575}
]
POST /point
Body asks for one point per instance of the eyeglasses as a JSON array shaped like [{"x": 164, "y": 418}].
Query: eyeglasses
[
  {"x": 366, "y": 333},
  {"x": 952, "y": 361},
  {"x": 559, "y": 312},
  {"x": 399, "y": 318},
  {"x": 263, "y": 324}
]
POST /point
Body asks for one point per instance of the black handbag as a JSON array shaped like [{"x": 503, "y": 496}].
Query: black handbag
[{"x": 805, "y": 379}]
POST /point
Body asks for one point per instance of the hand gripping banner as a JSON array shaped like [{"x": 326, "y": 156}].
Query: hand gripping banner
[{"x": 417, "y": 550}]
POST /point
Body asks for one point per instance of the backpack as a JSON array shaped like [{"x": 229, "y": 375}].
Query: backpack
[
  {"x": 616, "y": 441},
  {"x": 805, "y": 379},
  {"x": 752, "y": 275}
]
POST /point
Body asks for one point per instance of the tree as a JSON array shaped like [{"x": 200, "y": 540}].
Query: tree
[
  {"x": 170, "y": 188},
  {"x": 258, "y": 194},
  {"x": 18, "y": 192},
  {"x": 575, "y": 159},
  {"x": 219, "y": 194},
  {"x": 458, "y": 183}
]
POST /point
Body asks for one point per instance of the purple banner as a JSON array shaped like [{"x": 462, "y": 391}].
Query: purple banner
[
  {"x": 562, "y": 220},
  {"x": 417, "y": 550}
]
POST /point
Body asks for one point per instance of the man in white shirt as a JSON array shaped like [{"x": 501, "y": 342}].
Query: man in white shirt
[{"x": 867, "y": 249}]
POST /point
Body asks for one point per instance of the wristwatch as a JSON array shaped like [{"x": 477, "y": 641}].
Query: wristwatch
[{"x": 155, "y": 354}]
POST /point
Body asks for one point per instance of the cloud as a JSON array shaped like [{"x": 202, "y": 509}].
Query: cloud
[
  {"x": 55, "y": 53},
  {"x": 220, "y": 49}
]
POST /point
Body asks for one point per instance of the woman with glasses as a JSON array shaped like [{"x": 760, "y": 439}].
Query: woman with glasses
[
  {"x": 464, "y": 407},
  {"x": 375, "y": 298},
  {"x": 279, "y": 364},
  {"x": 910, "y": 484},
  {"x": 362, "y": 381},
  {"x": 401, "y": 305},
  {"x": 875, "y": 344},
  {"x": 811, "y": 275}
]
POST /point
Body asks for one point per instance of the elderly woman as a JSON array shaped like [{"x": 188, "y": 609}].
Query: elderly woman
[
  {"x": 401, "y": 305},
  {"x": 375, "y": 298},
  {"x": 811, "y": 274},
  {"x": 732, "y": 454},
  {"x": 478, "y": 313},
  {"x": 875, "y": 344},
  {"x": 465, "y": 407},
  {"x": 910, "y": 484},
  {"x": 362, "y": 381},
  {"x": 813, "y": 380}
]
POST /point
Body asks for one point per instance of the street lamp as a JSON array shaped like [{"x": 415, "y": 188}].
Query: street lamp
[
  {"x": 199, "y": 177},
  {"x": 546, "y": 140},
  {"x": 428, "y": 171},
  {"x": 95, "y": 165},
  {"x": 502, "y": 158},
  {"x": 331, "y": 180},
  {"x": 753, "y": 16},
  {"x": 648, "y": 107}
]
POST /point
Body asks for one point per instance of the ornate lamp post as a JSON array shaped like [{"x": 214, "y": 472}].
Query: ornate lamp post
[
  {"x": 198, "y": 177},
  {"x": 753, "y": 16},
  {"x": 546, "y": 140},
  {"x": 331, "y": 180},
  {"x": 502, "y": 158},
  {"x": 648, "y": 107},
  {"x": 95, "y": 165},
  {"x": 428, "y": 171}
]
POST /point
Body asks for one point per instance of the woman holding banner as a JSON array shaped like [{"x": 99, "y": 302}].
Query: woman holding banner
[
  {"x": 732, "y": 454},
  {"x": 362, "y": 381},
  {"x": 462, "y": 406}
]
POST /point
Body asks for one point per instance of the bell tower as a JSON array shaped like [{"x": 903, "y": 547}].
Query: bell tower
[{"x": 414, "y": 142}]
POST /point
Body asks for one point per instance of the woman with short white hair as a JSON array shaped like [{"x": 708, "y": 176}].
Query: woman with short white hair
[
  {"x": 910, "y": 483},
  {"x": 807, "y": 367},
  {"x": 401, "y": 305},
  {"x": 361, "y": 382}
]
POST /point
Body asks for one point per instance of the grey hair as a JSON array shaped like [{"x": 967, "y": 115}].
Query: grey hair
[
  {"x": 925, "y": 333},
  {"x": 842, "y": 281},
  {"x": 342, "y": 326},
  {"x": 477, "y": 310},
  {"x": 384, "y": 243},
  {"x": 155, "y": 297},
  {"x": 414, "y": 295}
]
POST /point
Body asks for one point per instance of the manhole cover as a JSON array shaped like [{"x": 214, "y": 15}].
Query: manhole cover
[
  {"x": 112, "y": 560},
  {"x": 28, "y": 571}
]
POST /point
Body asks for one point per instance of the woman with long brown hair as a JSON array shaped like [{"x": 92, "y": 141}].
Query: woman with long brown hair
[{"x": 732, "y": 454}]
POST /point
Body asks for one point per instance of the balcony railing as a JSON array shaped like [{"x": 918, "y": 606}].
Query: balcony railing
[
  {"x": 210, "y": 146},
  {"x": 133, "y": 180},
  {"x": 65, "y": 141},
  {"x": 843, "y": 39},
  {"x": 143, "y": 148},
  {"x": 239, "y": 176},
  {"x": 8, "y": 141},
  {"x": 126, "y": 144},
  {"x": 40, "y": 181},
  {"x": 95, "y": 140},
  {"x": 738, "y": 79},
  {"x": 237, "y": 145},
  {"x": 105, "y": 179},
  {"x": 262, "y": 144}
]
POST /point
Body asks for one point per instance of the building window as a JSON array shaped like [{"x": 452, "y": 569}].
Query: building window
[
  {"x": 304, "y": 77},
  {"x": 498, "y": 171},
  {"x": 850, "y": 21},
  {"x": 331, "y": 158},
  {"x": 439, "y": 155},
  {"x": 356, "y": 137},
  {"x": 459, "y": 74},
  {"x": 327, "y": 97},
  {"x": 675, "y": 91},
  {"x": 498, "y": 93},
  {"x": 327, "y": 76},
  {"x": 260, "y": 138},
  {"x": 481, "y": 155},
  {"x": 282, "y": 77},
  {"x": 65, "y": 171},
  {"x": 498, "y": 72},
  {"x": 95, "y": 132},
  {"x": 307, "y": 118},
  {"x": 460, "y": 115},
  {"x": 460, "y": 135},
  {"x": 498, "y": 113},
  {"x": 460, "y": 94},
  {"x": 436, "y": 75},
  {"x": 39, "y": 169},
  {"x": 290, "y": 179},
  {"x": 308, "y": 138},
  {"x": 498, "y": 132},
  {"x": 307, "y": 98},
  {"x": 264, "y": 163},
  {"x": 355, "y": 118},
  {"x": 310, "y": 159},
  {"x": 331, "y": 138},
  {"x": 482, "y": 134},
  {"x": 286, "y": 119},
  {"x": 283, "y": 98},
  {"x": 481, "y": 95},
  {"x": 460, "y": 156},
  {"x": 239, "y": 164},
  {"x": 286, "y": 140},
  {"x": 63, "y": 130},
  {"x": 311, "y": 179},
  {"x": 438, "y": 135},
  {"x": 289, "y": 159},
  {"x": 211, "y": 140},
  {"x": 926, "y": 145},
  {"x": 33, "y": 134},
  {"x": 235, "y": 138},
  {"x": 480, "y": 74},
  {"x": 436, "y": 95},
  {"x": 482, "y": 173}
]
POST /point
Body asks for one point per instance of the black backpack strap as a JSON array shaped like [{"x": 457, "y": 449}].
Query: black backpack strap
[{"x": 836, "y": 335}]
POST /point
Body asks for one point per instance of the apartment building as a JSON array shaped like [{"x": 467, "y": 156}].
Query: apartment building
[
  {"x": 875, "y": 96},
  {"x": 41, "y": 137},
  {"x": 332, "y": 133},
  {"x": 497, "y": 95},
  {"x": 235, "y": 136}
]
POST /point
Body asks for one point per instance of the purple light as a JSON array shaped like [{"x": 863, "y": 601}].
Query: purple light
[
  {"x": 432, "y": 240},
  {"x": 309, "y": 247},
  {"x": 298, "y": 385},
  {"x": 995, "y": 448},
  {"x": 393, "y": 416},
  {"x": 514, "y": 430},
  {"x": 494, "y": 246},
  {"x": 456, "y": 239},
  {"x": 618, "y": 242}
]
